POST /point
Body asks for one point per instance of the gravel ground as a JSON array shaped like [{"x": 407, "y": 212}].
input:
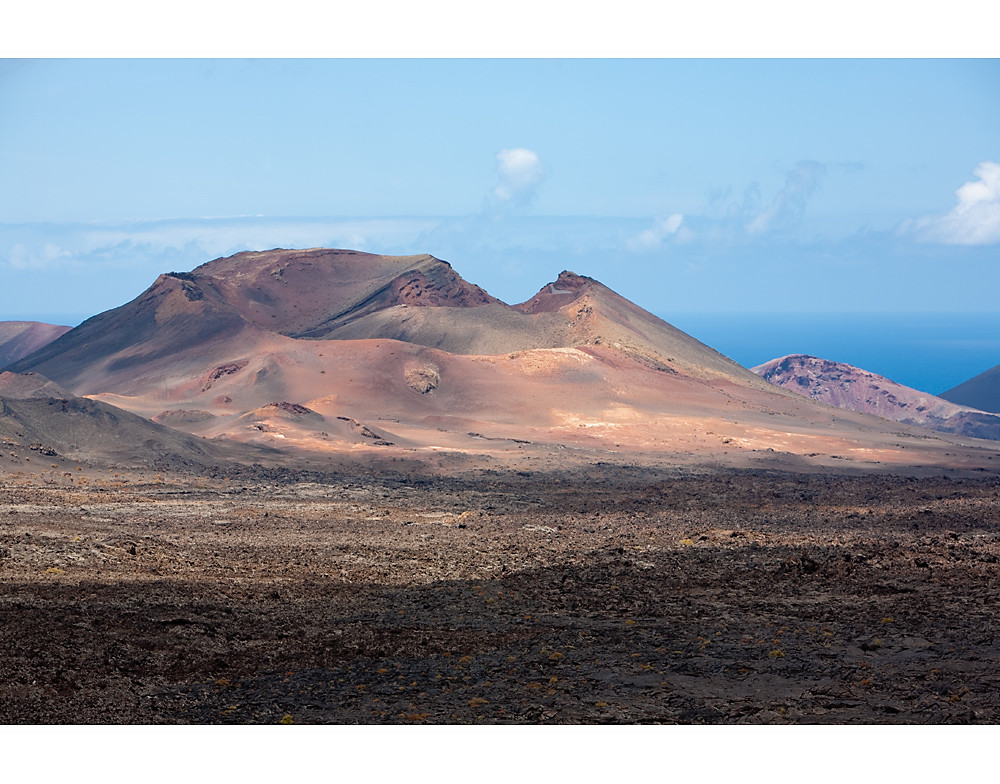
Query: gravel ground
[{"x": 604, "y": 595}]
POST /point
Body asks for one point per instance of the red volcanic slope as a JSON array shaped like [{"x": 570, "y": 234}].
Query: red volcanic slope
[
  {"x": 20, "y": 338},
  {"x": 309, "y": 293},
  {"x": 243, "y": 298},
  {"x": 346, "y": 295},
  {"x": 335, "y": 349},
  {"x": 982, "y": 391},
  {"x": 852, "y": 388}
]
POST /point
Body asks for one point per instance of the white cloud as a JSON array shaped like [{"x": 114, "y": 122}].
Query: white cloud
[
  {"x": 194, "y": 241},
  {"x": 653, "y": 237},
  {"x": 975, "y": 220},
  {"x": 520, "y": 173},
  {"x": 790, "y": 204}
]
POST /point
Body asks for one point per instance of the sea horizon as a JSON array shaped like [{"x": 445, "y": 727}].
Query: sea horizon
[{"x": 931, "y": 352}]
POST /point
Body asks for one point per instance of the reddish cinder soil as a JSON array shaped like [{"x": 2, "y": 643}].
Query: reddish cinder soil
[{"x": 604, "y": 594}]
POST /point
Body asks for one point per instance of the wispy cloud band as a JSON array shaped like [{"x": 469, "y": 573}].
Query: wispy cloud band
[{"x": 50, "y": 246}]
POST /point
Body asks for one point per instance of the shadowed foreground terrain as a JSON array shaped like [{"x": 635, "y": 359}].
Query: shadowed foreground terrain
[{"x": 604, "y": 594}]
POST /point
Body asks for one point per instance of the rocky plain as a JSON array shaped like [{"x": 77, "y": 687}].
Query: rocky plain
[{"x": 604, "y": 593}]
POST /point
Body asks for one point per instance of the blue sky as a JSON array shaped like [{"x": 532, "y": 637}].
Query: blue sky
[{"x": 687, "y": 185}]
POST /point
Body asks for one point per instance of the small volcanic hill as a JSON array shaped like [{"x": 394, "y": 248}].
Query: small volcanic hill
[
  {"x": 846, "y": 386},
  {"x": 20, "y": 338},
  {"x": 982, "y": 391},
  {"x": 29, "y": 385},
  {"x": 37, "y": 414},
  {"x": 336, "y": 350}
]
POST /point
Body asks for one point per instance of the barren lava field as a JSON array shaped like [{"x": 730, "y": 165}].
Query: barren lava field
[{"x": 600, "y": 595}]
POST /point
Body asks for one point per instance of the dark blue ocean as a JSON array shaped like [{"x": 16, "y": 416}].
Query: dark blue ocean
[{"x": 929, "y": 352}]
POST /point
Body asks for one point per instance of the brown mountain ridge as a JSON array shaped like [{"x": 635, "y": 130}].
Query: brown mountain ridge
[{"x": 401, "y": 353}]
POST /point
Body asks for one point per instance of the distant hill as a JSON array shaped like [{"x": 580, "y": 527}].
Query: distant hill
[
  {"x": 982, "y": 391},
  {"x": 20, "y": 338},
  {"x": 852, "y": 388}
]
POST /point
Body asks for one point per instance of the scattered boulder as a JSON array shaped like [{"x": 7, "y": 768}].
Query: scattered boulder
[{"x": 423, "y": 379}]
